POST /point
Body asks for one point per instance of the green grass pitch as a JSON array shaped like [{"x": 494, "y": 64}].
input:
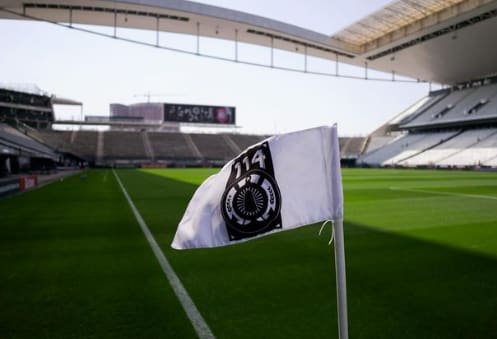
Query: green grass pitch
[{"x": 421, "y": 251}]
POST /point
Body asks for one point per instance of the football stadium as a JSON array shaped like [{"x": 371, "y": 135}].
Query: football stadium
[{"x": 89, "y": 206}]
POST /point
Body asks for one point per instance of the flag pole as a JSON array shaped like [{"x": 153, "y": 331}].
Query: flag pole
[
  {"x": 337, "y": 194},
  {"x": 343, "y": 328}
]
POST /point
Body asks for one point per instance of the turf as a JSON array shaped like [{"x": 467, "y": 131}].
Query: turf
[
  {"x": 74, "y": 264},
  {"x": 421, "y": 251}
]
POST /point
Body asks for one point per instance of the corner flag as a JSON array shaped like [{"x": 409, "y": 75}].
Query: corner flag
[{"x": 284, "y": 182}]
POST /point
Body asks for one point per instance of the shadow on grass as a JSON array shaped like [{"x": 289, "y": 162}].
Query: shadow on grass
[
  {"x": 283, "y": 285},
  {"x": 401, "y": 287}
]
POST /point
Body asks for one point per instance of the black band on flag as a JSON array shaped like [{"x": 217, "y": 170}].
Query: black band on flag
[{"x": 251, "y": 202}]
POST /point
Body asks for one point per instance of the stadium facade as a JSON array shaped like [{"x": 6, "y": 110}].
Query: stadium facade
[{"x": 446, "y": 41}]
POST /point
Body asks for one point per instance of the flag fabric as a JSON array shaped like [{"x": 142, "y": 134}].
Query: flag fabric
[{"x": 283, "y": 182}]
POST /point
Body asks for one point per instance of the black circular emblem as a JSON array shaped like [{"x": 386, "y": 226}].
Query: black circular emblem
[{"x": 251, "y": 203}]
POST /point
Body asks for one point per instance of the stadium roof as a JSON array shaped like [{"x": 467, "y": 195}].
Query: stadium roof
[
  {"x": 442, "y": 41},
  {"x": 394, "y": 18},
  {"x": 65, "y": 101}
]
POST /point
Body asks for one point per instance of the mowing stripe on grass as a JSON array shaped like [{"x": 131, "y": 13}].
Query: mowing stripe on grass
[
  {"x": 477, "y": 196},
  {"x": 198, "y": 322}
]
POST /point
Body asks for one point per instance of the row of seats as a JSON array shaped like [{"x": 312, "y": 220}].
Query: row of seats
[
  {"x": 382, "y": 155},
  {"x": 476, "y": 147},
  {"x": 454, "y": 148},
  {"x": 15, "y": 139},
  {"x": 83, "y": 144},
  {"x": 375, "y": 142},
  {"x": 114, "y": 145},
  {"x": 127, "y": 145},
  {"x": 456, "y": 152},
  {"x": 165, "y": 146},
  {"x": 351, "y": 147},
  {"x": 10, "y": 96},
  {"x": 458, "y": 106},
  {"x": 170, "y": 146},
  {"x": 57, "y": 140}
]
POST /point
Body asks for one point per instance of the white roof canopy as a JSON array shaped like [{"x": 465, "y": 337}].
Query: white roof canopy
[
  {"x": 397, "y": 16},
  {"x": 443, "y": 41}
]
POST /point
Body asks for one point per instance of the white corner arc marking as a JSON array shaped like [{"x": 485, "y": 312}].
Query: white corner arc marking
[
  {"x": 477, "y": 196},
  {"x": 198, "y": 322}
]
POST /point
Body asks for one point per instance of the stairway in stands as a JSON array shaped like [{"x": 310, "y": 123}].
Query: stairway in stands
[
  {"x": 192, "y": 146},
  {"x": 100, "y": 147},
  {"x": 148, "y": 147}
]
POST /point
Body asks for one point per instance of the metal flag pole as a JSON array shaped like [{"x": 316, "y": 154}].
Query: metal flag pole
[
  {"x": 343, "y": 328},
  {"x": 337, "y": 194}
]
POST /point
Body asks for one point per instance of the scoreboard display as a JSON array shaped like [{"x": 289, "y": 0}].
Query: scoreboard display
[{"x": 199, "y": 114}]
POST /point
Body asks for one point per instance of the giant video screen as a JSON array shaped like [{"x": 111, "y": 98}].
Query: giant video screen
[{"x": 199, "y": 114}]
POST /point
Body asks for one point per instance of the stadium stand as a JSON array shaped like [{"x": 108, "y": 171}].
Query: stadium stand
[
  {"x": 491, "y": 162},
  {"x": 438, "y": 155},
  {"x": 59, "y": 141},
  {"x": 21, "y": 153},
  {"x": 375, "y": 142},
  {"x": 122, "y": 146},
  {"x": 381, "y": 155},
  {"x": 170, "y": 146},
  {"x": 351, "y": 147},
  {"x": 213, "y": 147},
  {"x": 455, "y": 127},
  {"x": 229, "y": 141},
  {"x": 476, "y": 105},
  {"x": 428, "y": 141},
  {"x": 243, "y": 141},
  {"x": 429, "y": 102},
  {"x": 28, "y": 105},
  {"x": 148, "y": 147},
  {"x": 459, "y": 107},
  {"x": 86, "y": 143},
  {"x": 14, "y": 138},
  {"x": 100, "y": 146},
  {"x": 475, "y": 155},
  {"x": 438, "y": 112},
  {"x": 81, "y": 144},
  {"x": 108, "y": 146}
]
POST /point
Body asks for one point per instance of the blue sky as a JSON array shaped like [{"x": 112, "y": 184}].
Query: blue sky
[{"x": 98, "y": 71}]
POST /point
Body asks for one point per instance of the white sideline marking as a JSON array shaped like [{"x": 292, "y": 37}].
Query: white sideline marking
[
  {"x": 478, "y": 196},
  {"x": 198, "y": 322}
]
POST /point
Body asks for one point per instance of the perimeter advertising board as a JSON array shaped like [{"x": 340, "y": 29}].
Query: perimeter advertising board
[
  {"x": 9, "y": 186},
  {"x": 15, "y": 185},
  {"x": 26, "y": 183}
]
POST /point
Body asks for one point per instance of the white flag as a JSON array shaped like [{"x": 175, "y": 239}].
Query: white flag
[{"x": 284, "y": 182}]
